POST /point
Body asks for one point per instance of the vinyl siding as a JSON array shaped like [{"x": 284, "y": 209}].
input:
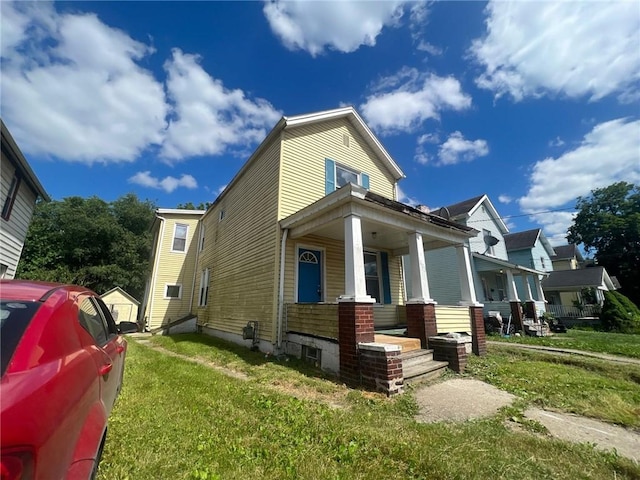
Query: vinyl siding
[
  {"x": 303, "y": 163},
  {"x": 482, "y": 219},
  {"x": 443, "y": 275},
  {"x": 173, "y": 268},
  {"x": 14, "y": 231},
  {"x": 242, "y": 251},
  {"x": 313, "y": 319},
  {"x": 453, "y": 319}
]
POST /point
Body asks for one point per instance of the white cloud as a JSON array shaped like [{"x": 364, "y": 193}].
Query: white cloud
[
  {"x": 402, "y": 102},
  {"x": 421, "y": 155},
  {"x": 62, "y": 99},
  {"x": 65, "y": 100},
  {"x": 429, "y": 48},
  {"x": 338, "y": 25},
  {"x": 404, "y": 198},
  {"x": 609, "y": 153},
  {"x": 506, "y": 199},
  {"x": 168, "y": 184},
  {"x": 221, "y": 188},
  {"x": 569, "y": 48},
  {"x": 209, "y": 118},
  {"x": 556, "y": 142},
  {"x": 457, "y": 149}
]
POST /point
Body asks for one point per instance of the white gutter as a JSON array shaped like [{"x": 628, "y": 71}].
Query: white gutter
[
  {"x": 283, "y": 245},
  {"x": 156, "y": 266},
  {"x": 195, "y": 266}
]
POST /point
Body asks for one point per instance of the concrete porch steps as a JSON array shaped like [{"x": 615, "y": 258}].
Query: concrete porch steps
[{"x": 419, "y": 365}]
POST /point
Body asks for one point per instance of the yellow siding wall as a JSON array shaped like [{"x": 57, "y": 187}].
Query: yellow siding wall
[
  {"x": 173, "y": 268},
  {"x": 453, "y": 319},
  {"x": 313, "y": 319},
  {"x": 303, "y": 163},
  {"x": 242, "y": 251}
]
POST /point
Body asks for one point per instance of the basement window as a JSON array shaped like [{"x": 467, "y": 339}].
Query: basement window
[{"x": 312, "y": 355}]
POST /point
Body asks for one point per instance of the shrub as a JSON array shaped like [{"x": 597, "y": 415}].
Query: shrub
[{"x": 619, "y": 314}]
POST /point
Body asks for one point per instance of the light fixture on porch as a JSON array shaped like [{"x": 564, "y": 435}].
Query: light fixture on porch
[{"x": 374, "y": 235}]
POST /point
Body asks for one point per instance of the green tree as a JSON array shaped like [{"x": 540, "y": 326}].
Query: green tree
[
  {"x": 608, "y": 223},
  {"x": 191, "y": 206},
  {"x": 90, "y": 242}
]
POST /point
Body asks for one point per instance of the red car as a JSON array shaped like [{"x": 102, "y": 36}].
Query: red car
[{"x": 62, "y": 366}]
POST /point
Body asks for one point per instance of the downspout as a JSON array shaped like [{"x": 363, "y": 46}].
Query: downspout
[
  {"x": 155, "y": 267},
  {"x": 283, "y": 245},
  {"x": 195, "y": 267}
]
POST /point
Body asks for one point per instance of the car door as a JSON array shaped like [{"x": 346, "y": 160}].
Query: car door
[
  {"x": 117, "y": 345},
  {"x": 103, "y": 351}
]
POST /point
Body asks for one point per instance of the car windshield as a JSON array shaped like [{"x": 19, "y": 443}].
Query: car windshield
[{"x": 15, "y": 315}]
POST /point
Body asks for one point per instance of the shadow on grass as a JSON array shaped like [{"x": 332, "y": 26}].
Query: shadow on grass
[{"x": 250, "y": 357}]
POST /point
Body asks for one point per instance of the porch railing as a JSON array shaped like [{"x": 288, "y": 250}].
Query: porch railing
[{"x": 563, "y": 311}]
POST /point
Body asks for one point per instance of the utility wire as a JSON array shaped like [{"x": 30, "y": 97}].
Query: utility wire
[{"x": 528, "y": 214}]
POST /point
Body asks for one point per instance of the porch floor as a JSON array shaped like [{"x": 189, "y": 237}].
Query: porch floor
[{"x": 406, "y": 344}]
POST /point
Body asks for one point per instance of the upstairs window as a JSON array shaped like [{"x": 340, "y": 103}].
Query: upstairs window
[
  {"x": 337, "y": 176},
  {"x": 180, "y": 238},
  {"x": 204, "y": 288},
  {"x": 11, "y": 197}
]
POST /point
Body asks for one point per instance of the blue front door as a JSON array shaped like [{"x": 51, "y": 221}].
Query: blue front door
[{"x": 309, "y": 275}]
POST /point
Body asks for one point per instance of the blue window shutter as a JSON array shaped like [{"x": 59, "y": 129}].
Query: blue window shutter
[
  {"x": 386, "y": 283},
  {"x": 329, "y": 176},
  {"x": 365, "y": 180}
]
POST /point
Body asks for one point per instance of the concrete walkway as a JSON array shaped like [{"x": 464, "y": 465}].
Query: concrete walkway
[
  {"x": 569, "y": 351},
  {"x": 460, "y": 399}
]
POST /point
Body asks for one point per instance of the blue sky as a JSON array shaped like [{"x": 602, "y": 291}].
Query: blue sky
[{"x": 532, "y": 103}]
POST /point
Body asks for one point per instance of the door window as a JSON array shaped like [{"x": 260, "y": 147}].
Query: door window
[{"x": 92, "y": 321}]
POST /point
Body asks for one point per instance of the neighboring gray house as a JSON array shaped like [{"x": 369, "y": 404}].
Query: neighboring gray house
[
  {"x": 496, "y": 276},
  {"x": 19, "y": 190}
]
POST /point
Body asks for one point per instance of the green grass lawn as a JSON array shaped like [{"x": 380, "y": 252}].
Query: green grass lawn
[
  {"x": 602, "y": 342},
  {"x": 275, "y": 419}
]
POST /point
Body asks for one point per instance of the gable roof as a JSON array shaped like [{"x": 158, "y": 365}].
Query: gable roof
[
  {"x": 310, "y": 118},
  {"x": 580, "y": 278},
  {"x": 466, "y": 208},
  {"x": 15, "y": 156},
  {"x": 119, "y": 290},
  {"x": 527, "y": 240},
  {"x": 567, "y": 252}
]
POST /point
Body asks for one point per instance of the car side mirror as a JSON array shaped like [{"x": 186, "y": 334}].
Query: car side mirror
[{"x": 127, "y": 327}]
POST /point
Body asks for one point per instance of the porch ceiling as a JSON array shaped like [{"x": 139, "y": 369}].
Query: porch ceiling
[{"x": 385, "y": 223}]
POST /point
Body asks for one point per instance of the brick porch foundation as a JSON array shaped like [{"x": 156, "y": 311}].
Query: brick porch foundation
[
  {"x": 451, "y": 350},
  {"x": 421, "y": 322},
  {"x": 530, "y": 310},
  {"x": 516, "y": 316},
  {"x": 478, "y": 336},
  {"x": 355, "y": 325},
  {"x": 381, "y": 367}
]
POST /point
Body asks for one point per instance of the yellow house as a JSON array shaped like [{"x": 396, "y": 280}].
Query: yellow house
[
  {"x": 303, "y": 253},
  {"x": 170, "y": 287},
  {"x": 123, "y": 306}
]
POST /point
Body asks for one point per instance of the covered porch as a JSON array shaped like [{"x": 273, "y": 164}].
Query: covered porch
[
  {"x": 504, "y": 286},
  {"x": 345, "y": 276}
]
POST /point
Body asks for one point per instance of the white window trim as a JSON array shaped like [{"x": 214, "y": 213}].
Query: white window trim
[
  {"x": 166, "y": 285},
  {"x": 186, "y": 237},
  {"x": 380, "y": 295},
  {"x": 348, "y": 169},
  {"x": 202, "y": 238},
  {"x": 204, "y": 287}
]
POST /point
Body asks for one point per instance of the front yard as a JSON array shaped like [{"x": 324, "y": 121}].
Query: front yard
[{"x": 276, "y": 419}]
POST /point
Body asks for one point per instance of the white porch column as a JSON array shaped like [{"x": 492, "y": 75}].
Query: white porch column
[
  {"x": 539, "y": 290},
  {"x": 512, "y": 291},
  {"x": 527, "y": 288},
  {"x": 419, "y": 281},
  {"x": 467, "y": 290},
  {"x": 354, "y": 281}
]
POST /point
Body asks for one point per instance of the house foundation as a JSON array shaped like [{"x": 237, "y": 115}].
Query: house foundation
[
  {"x": 421, "y": 322},
  {"x": 478, "y": 334},
  {"x": 355, "y": 326}
]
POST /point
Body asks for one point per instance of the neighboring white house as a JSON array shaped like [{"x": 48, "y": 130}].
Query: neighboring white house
[{"x": 19, "y": 190}]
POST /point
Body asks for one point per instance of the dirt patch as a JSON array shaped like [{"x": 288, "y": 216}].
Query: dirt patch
[{"x": 458, "y": 400}]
